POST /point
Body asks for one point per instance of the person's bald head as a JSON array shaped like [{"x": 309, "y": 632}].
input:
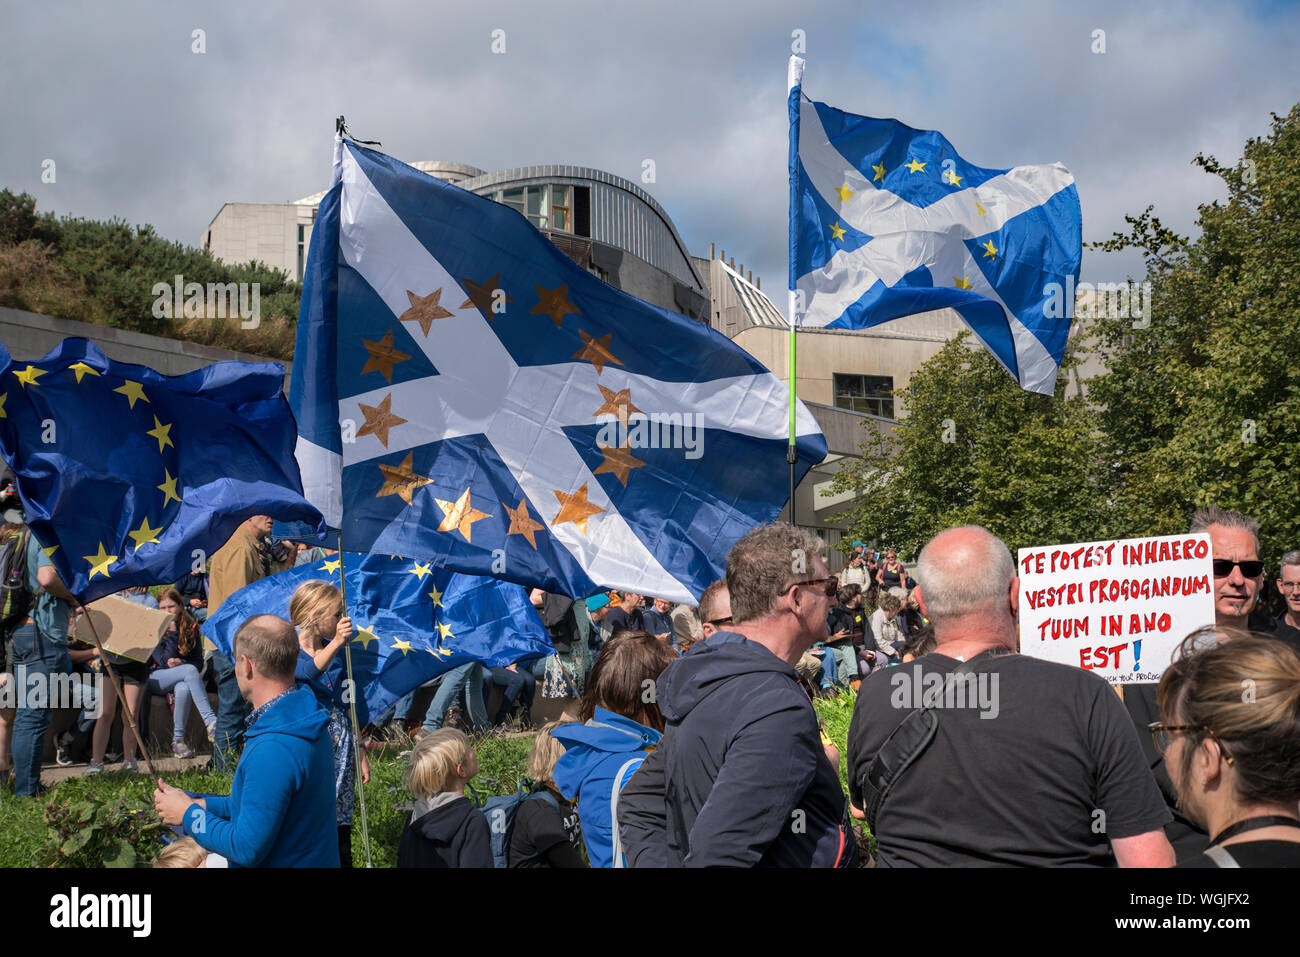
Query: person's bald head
[
  {"x": 270, "y": 644},
  {"x": 967, "y": 572}
]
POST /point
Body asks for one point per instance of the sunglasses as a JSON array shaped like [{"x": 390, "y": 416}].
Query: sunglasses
[
  {"x": 1250, "y": 569},
  {"x": 719, "y": 621},
  {"x": 828, "y": 586}
]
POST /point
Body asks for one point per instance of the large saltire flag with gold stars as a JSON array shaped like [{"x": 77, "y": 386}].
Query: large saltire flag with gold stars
[
  {"x": 412, "y": 622},
  {"x": 467, "y": 394},
  {"x": 888, "y": 221},
  {"x": 129, "y": 476}
]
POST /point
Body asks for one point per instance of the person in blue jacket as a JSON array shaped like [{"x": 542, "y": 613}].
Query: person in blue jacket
[
  {"x": 621, "y": 725},
  {"x": 280, "y": 812}
]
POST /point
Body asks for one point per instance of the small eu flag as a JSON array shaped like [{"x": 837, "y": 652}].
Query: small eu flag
[{"x": 131, "y": 477}]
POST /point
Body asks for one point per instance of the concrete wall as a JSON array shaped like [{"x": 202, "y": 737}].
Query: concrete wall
[{"x": 265, "y": 232}]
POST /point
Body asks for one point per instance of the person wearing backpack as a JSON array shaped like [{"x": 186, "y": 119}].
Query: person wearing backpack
[
  {"x": 36, "y": 609},
  {"x": 445, "y": 829},
  {"x": 545, "y": 831}
]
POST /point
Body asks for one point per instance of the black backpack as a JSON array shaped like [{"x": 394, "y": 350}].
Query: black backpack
[{"x": 16, "y": 598}]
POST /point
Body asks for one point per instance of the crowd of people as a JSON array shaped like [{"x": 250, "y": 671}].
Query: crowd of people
[{"x": 690, "y": 736}]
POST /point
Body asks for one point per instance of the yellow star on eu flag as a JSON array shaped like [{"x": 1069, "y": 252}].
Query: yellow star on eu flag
[
  {"x": 962, "y": 283},
  {"x": 990, "y": 250},
  {"x": 144, "y": 533},
  {"x": 333, "y": 565},
  {"x": 364, "y": 637},
  {"x": 950, "y": 176},
  {"x": 979, "y": 208},
  {"x": 402, "y": 646},
  {"x": 916, "y": 166},
  {"x": 29, "y": 376},
  {"x": 80, "y": 369},
  {"x": 879, "y": 170},
  {"x": 437, "y": 598},
  {"x": 419, "y": 571},
  {"x": 3, "y": 413},
  {"x": 168, "y": 488},
  {"x": 444, "y": 632},
  {"x": 132, "y": 391},
  {"x": 837, "y": 231},
  {"x": 99, "y": 562},
  {"x": 162, "y": 433},
  {"x": 845, "y": 193}
]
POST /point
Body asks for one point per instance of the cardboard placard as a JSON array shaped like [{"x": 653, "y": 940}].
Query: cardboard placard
[
  {"x": 125, "y": 627},
  {"x": 1119, "y": 608}
]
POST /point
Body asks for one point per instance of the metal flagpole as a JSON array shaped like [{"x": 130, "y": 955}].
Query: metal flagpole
[
  {"x": 352, "y": 708},
  {"x": 794, "y": 78}
]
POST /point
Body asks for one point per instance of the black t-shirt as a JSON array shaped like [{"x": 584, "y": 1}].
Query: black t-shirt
[
  {"x": 1254, "y": 854},
  {"x": 1284, "y": 632},
  {"x": 620, "y": 620},
  {"x": 1184, "y": 834},
  {"x": 538, "y": 828},
  {"x": 1047, "y": 778},
  {"x": 561, "y": 623}
]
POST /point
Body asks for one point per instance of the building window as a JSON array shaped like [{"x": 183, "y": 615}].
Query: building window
[
  {"x": 561, "y": 206},
  {"x": 547, "y": 207},
  {"x": 302, "y": 249},
  {"x": 871, "y": 394}
]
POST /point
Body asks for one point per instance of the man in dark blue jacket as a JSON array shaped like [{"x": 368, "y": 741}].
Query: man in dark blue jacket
[
  {"x": 281, "y": 808},
  {"x": 745, "y": 780}
]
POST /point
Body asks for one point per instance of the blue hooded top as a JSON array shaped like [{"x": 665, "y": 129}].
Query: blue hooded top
[
  {"x": 280, "y": 812},
  {"x": 599, "y": 759}
]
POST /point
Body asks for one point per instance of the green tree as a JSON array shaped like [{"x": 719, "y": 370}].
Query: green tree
[
  {"x": 976, "y": 448},
  {"x": 1204, "y": 405}
]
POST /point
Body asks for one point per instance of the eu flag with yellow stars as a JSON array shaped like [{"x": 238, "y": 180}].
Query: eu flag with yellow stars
[
  {"x": 468, "y": 394},
  {"x": 131, "y": 477},
  {"x": 411, "y": 621}
]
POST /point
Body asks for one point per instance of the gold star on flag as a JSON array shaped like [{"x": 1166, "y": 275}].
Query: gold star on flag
[
  {"x": 79, "y": 369},
  {"x": 144, "y": 533},
  {"x": 161, "y": 433},
  {"x": 379, "y": 419},
  {"x": 962, "y": 282},
  {"x": 168, "y": 488},
  {"x": 845, "y": 193},
  {"x": 29, "y": 376},
  {"x": 383, "y": 356},
  {"x": 437, "y": 598},
  {"x": 916, "y": 166},
  {"x": 979, "y": 208},
  {"x": 99, "y": 562},
  {"x": 402, "y": 646},
  {"x": 444, "y": 632},
  {"x": 990, "y": 250},
  {"x": 333, "y": 565},
  {"x": 554, "y": 303},
  {"x": 49, "y": 552},
  {"x": 880, "y": 172},
  {"x": 521, "y": 523},
  {"x": 575, "y": 508},
  {"x": 618, "y": 404},
  {"x": 596, "y": 351},
  {"x": 133, "y": 392},
  {"x": 951, "y": 176},
  {"x": 460, "y": 515},
  {"x": 618, "y": 462},
  {"x": 3, "y": 413},
  {"x": 437, "y": 653},
  {"x": 400, "y": 480},
  {"x": 424, "y": 309},
  {"x": 481, "y": 296},
  {"x": 419, "y": 571},
  {"x": 838, "y": 232},
  {"x": 364, "y": 637}
]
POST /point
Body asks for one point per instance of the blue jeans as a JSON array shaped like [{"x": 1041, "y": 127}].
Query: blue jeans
[
  {"x": 185, "y": 681},
  {"x": 513, "y": 684},
  {"x": 32, "y": 655},
  {"x": 828, "y": 667},
  {"x": 846, "y": 661},
  {"x": 470, "y": 677},
  {"x": 232, "y": 710}
]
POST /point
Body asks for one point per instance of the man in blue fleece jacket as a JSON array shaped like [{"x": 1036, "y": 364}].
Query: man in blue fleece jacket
[{"x": 280, "y": 812}]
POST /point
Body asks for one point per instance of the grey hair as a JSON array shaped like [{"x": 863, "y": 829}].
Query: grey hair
[
  {"x": 1291, "y": 558},
  {"x": 764, "y": 564},
  {"x": 1208, "y": 515},
  {"x": 957, "y": 583}
]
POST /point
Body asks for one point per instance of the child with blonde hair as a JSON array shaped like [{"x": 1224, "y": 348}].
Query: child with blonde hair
[
  {"x": 182, "y": 852},
  {"x": 547, "y": 832},
  {"x": 445, "y": 829}
]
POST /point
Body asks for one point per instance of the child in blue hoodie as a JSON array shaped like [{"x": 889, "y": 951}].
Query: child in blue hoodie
[{"x": 621, "y": 725}]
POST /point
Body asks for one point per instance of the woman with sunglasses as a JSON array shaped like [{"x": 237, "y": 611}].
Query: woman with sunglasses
[{"x": 1230, "y": 736}]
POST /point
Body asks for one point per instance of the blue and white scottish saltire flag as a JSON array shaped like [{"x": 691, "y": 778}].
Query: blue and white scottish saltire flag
[
  {"x": 467, "y": 394},
  {"x": 411, "y": 622},
  {"x": 888, "y": 221},
  {"x": 130, "y": 477}
]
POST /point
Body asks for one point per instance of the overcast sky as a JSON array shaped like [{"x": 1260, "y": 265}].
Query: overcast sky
[{"x": 143, "y": 128}]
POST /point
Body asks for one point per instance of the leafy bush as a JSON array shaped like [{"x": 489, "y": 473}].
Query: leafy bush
[{"x": 89, "y": 829}]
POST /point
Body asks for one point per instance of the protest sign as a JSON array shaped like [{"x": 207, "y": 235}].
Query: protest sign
[
  {"x": 126, "y": 628},
  {"x": 1118, "y": 608}
]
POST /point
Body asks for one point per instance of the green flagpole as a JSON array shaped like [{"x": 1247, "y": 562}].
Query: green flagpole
[
  {"x": 794, "y": 80},
  {"x": 352, "y": 707}
]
